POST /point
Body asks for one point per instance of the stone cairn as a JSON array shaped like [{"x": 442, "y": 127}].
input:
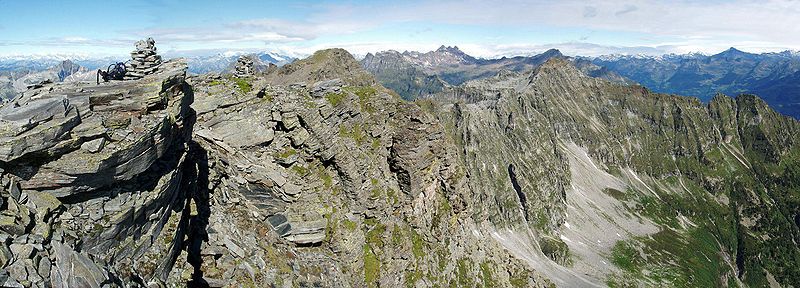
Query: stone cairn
[
  {"x": 145, "y": 60},
  {"x": 244, "y": 67}
]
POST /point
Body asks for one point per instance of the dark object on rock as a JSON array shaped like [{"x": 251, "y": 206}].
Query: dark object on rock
[{"x": 113, "y": 72}]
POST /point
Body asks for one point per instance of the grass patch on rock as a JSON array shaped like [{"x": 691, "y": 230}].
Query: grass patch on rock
[
  {"x": 243, "y": 85},
  {"x": 335, "y": 98},
  {"x": 372, "y": 267}
]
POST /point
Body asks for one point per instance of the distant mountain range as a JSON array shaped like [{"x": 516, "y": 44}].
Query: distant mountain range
[
  {"x": 17, "y": 73},
  {"x": 415, "y": 74},
  {"x": 198, "y": 62},
  {"x": 224, "y": 61},
  {"x": 775, "y": 77},
  {"x": 14, "y": 81}
]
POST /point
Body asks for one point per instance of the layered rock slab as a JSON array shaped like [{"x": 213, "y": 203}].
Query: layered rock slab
[{"x": 93, "y": 176}]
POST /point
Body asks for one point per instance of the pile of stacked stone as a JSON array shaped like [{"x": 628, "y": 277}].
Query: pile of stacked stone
[
  {"x": 145, "y": 60},
  {"x": 244, "y": 67}
]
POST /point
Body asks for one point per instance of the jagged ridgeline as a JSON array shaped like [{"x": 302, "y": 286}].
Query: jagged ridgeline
[
  {"x": 312, "y": 174},
  {"x": 415, "y": 74}
]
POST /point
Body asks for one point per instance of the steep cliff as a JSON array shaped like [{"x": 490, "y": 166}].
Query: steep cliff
[{"x": 668, "y": 190}]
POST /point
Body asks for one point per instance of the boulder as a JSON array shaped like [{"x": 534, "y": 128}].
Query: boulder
[
  {"x": 33, "y": 126},
  {"x": 94, "y": 146},
  {"x": 322, "y": 88}
]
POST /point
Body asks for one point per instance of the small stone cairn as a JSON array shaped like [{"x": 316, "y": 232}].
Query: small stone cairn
[
  {"x": 244, "y": 67},
  {"x": 145, "y": 60}
]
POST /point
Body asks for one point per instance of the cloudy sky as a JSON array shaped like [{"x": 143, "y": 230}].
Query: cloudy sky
[{"x": 482, "y": 28}]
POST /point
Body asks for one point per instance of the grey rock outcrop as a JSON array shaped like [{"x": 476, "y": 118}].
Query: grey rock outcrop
[{"x": 90, "y": 180}]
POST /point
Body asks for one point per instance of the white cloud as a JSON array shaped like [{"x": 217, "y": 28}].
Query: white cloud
[
  {"x": 305, "y": 30},
  {"x": 671, "y": 26},
  {"x": 772, "y": 22},
  {"x": 589, "y": 12},
  {"x": 628, "y": 9},
  {"x": 568, "y": 48},
  {"x": 746, "y": 17},
  {"x": 665, "y": 26}
]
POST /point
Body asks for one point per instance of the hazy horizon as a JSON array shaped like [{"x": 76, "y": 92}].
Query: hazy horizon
[
  {"x": 485, "y": 29},
  {"x": 237, "y": 52}
]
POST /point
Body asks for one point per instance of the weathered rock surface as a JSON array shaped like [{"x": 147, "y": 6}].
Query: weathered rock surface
[{"x": 90, "y": 182}]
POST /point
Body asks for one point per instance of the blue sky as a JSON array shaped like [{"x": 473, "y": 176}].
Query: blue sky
[{"x": 490, "y": 28}]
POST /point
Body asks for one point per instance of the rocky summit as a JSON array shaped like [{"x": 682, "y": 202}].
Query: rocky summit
[{"x": 313, "y": 174}]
